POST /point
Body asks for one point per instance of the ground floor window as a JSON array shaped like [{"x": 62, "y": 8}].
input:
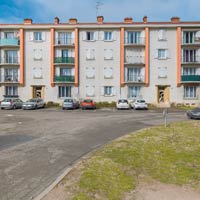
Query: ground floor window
[
  {"x": 190, "y": 91},
  {"x": 64, "y": 91},
  {"x": 108, "y": 90},
  {"x": 134, "y": 91},
  {"x": 11, "y": 91}
]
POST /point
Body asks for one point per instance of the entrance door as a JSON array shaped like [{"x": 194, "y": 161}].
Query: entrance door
[
  {"x": 163, "y": 94},
  {"x": 38, "y": 92}
]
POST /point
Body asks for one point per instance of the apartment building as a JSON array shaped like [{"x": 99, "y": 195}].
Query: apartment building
[{"x": 157, "y": 61}]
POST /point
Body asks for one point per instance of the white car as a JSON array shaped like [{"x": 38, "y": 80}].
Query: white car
[
  {"x": 122, "y": 104},
  {"x": 139, "y": 104}
]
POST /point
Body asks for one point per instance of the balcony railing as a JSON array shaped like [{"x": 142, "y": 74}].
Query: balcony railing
[
  {"x": 64, "y": 79},
  {"x": 134, "y": 78},
  {"x": 67, "y": 60},
  {"x": 64, "y": 41},
  {"x": 134, "y": 59},
  {"x": 9, "y": 60},
  {"x": 190, "y": 78},
  {"x": 137, "y": 41},
  {"x": 191, "y": 59},
  {"x": 10, "y": 79},
  {"x": 9, "y": 42}
]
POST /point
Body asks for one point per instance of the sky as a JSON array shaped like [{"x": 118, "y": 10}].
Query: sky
[{"x": 44, "y": 11}]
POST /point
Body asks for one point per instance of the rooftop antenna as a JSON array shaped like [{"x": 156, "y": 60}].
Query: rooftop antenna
[{"x": 98, "y": 5}]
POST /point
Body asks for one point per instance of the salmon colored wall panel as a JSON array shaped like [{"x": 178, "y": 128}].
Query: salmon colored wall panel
[
  {"x": 76, "y": 57},
  {"x": 52, "y": 71},
  {"x": 21, "y": 68},
  {"x": 178, "y": 55},
  {"x": 122, "y": 57},
  {"x": 147, "y": 56}
]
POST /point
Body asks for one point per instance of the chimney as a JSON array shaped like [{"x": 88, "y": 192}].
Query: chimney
[
  {"x": 72, "y": 21},
  {"x": 56, "y": 20},
  {"x": 100, "y": 19},
  {"x": 145, "y": 19},
  {"x": 128, "y": 20},
  {"x": 175, "y": 19},
  {"x": 27, "y": 21}
]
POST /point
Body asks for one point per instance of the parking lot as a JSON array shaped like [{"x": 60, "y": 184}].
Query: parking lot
[{"x": 36, "y": 146}]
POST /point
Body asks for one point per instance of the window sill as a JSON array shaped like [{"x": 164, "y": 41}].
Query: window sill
[{"x": 190, "y": 98}]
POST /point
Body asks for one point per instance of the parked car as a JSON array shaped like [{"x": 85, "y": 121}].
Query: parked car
[
  {"x": 194, "y": 114},
  {"x": 70, "y": 103},
  {"x": 122, "y": 104},
  {"x": 139, "y": 104},
  {"x": 88, "y": 104},
  {"x": 11, "y": 103},
  {"x": 33, "y": 104}
]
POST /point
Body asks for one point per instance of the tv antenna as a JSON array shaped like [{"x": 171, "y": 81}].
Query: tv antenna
[{"x": 98, "y": 5}]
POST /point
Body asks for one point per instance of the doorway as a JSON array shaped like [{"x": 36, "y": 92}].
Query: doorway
[
  {"x": 163, "y": 94},
  {"x": 38, "y": 92}
]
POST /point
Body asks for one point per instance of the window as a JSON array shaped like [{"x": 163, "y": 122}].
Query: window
[
  {"x": 90, "y": 54},
  {"x": 133, "y": 74},
  {"x": 134, "y": 91},
  {"x": 189, "y": 55},
  {"x": 133, "y": 38},
  {"x": 162, "y": 54},
  {"x": 64, "y": 91},
  {"x": 90, "y": 72},
  {"x": 188, "y": 37},
  {"x": 64, "y": 38},
  {"x": 11, "y": 91},
  {"x": 11, "y": 57},
  {"x": 190, "y": 92},
  {"x": 38, "y": 36},
  {"x": 9, "y": 35},
  {"x": 90, "y": 36},
  {"x": 188, "y": 71},
  {"x": 162, "y": 35},
  {"x": 108, "y": 72},
  {"x": 66, "y": 72},
  {"x": 162, "y": 72},
  {"x": 108, "y": 36},
  {"x": 108, "y": 90},
  {"x": 11, "y": 74}
]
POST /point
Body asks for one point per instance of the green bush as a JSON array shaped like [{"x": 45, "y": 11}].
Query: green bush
[
  {"x": 52, "y": 104},
  {"x": 105, "y": 104}
]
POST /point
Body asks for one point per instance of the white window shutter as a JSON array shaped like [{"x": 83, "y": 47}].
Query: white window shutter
[
  {"x": 102, "y": 90},
  {"x": 126, "y": 37},
  {"x": 58, "y": 53},
  {"x": 18, "y": 55},
  {"x": 142, "y": 34},
  {"x": 56, "y": 38},
  {"x": 113, "y": 91},
  {"x": 84, "y": 35},
  {"x": 101, "y": 35},
  {"x": 96, "y": 35},
  {"x": 88, "y": 54},
  {"x": 156, "y": 53},
  {"x": 57, "y": 71},
  {"x": 31, "y": 36},
  {"x": 72, "y": 71},
  {"x": 43, "y": 36},
  {"x": 114, "y": 35},
  {"x": 73, "y": 37}
]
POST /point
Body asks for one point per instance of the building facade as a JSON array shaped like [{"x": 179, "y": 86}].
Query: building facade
[{"x": 157, "y": 61}]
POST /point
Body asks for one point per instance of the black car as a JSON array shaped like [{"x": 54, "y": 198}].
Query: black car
[{"x": 194, "y": 114}]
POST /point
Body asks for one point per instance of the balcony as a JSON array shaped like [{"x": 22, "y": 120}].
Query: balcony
[
  {"x": 64, "y": 41},
  {"x": 64, "y": 60},
  {"x": 138, "y": 60},
  {"x": 64, "y": 79},
  {"x": 10, "y": 79},
  {"x": 133, "y": 78},
  {"x": 191, "y": 59},
  {"x": 135, "y": 41},
  {"x": 9, "y": 42},
  {"x": 190, "y": 78},
  {"x": 9, "y": 60}
]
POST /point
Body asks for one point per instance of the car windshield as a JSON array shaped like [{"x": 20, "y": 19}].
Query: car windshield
[
  {"x": 87, "y": 101},
  {"x": 68, "y": 100},
  {"x": 141, "y": 101},
  {"x": 7, "y": 100},
  {"x": 123, "y": 101},
  {"x": 32, "y": 100},
  {"x": 196, "y": 110}
]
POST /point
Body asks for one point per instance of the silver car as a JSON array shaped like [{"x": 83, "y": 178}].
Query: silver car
[
  {"x": 139, "y": 104},
  {"x": 11, "y": 103},
  {"x": 70, "y": 103},
  {"x": 33, "y": 104}
]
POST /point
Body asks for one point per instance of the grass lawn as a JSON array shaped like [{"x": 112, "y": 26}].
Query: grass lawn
[{"x": 168, "y": 155}]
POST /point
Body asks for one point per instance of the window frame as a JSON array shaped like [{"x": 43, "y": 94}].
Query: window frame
[
  {"x": 62, "y": 91},
  {"x": 37, "y": 35},
  {"x": 11, "y": 90},
  {"x": 190, "y": 92}
]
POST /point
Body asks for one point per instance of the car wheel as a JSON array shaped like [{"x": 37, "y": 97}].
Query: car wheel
[
  {"x": 14, "y": 107},
  {"x": 1, "y": 108}
]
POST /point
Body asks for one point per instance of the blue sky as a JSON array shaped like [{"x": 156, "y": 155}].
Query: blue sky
[{"x": 14, "y": 11}]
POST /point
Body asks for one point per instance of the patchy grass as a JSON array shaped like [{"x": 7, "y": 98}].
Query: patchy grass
[{"x": 168, "y": 155}]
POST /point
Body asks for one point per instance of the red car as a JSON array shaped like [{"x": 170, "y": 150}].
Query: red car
[{"x": 88, "y": 104}]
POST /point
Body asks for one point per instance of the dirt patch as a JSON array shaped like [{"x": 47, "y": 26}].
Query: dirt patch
[{"x": 158, "y": 191}]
